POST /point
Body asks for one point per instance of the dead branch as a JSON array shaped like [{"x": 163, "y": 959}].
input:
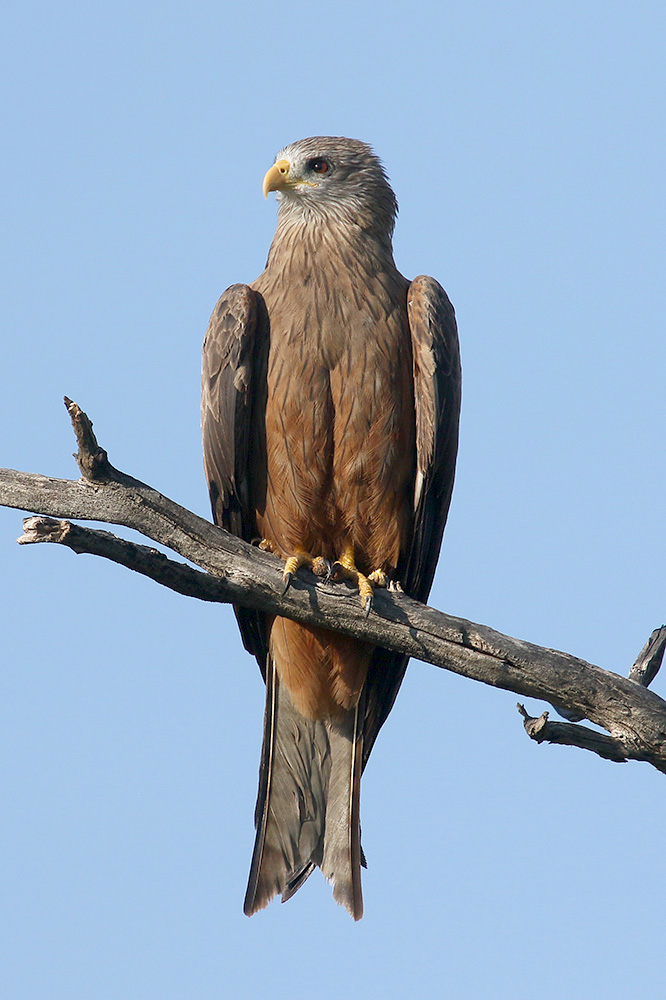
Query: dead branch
[
  {"x": 235, "y": 572},
  {"x": 543, "y": 731},
  {"x": 649, "y": 659}
]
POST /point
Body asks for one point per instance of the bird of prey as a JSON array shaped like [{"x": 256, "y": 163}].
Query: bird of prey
[{"x": 330, "y": 404}]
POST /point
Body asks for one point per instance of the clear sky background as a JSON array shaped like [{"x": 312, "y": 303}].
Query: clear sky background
[{"x": 525, "y": 141}]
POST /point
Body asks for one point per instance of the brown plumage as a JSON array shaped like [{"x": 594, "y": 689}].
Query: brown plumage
[{"x": 331, "y": 393}]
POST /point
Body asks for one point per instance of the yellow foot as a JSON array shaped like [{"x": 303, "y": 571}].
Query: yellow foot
[
  {"x": 379, "y": 578},
  {"x": 317, "y": 565},
  {"x": 345, "y": 569}
]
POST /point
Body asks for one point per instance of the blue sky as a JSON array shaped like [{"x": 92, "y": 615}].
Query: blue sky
[{"x": 526, "y": 146}]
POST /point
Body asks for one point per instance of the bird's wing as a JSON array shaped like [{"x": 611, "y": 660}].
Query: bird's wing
[
  {"x": 229, "y": 378},
  {"x": 437, "y": 397}
]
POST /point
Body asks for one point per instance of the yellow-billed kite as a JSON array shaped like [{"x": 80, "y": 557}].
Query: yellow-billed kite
[{"x": 331, "y": 395}]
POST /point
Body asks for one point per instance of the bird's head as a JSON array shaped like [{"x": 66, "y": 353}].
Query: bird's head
[{"x": 328, "y": 178}]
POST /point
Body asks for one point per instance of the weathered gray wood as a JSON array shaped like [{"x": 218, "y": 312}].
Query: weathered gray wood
[
  {"x": 239, "y": 573},
  {"x": 140, "y": 558},
  {"x": 543, "y": 731},
  {"x": 649, "y": 659}
]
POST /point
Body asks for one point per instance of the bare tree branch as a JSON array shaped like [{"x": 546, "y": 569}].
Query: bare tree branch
[
  {"x": 141, "y": 558},
  {"x": 236, "y": 572},
  {"x": 649, "y": 659},
  {"x": 543, "y": 731}
]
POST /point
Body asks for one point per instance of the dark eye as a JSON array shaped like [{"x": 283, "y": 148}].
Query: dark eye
[{"x": 319, "y": 166}]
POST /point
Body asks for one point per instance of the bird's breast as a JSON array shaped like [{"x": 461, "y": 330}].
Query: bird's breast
[{"x": 339, "y": 418}]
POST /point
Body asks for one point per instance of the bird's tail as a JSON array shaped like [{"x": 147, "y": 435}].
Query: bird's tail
[{"x": 307, "y": 810}]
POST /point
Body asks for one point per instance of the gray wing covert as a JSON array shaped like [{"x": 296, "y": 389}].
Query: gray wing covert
[
  {"x": 437, "y": 398},
  {"x": 229, "y": 378}
]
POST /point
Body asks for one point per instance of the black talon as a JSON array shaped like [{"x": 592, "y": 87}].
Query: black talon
[
  {"x": 287, "y": 582},
  {"x": 368, "y": 606}
]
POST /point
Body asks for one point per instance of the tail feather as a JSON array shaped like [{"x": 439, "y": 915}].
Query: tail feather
[
  {"x": 341, "y": 863},
  {"x": 307, "y": 811}
]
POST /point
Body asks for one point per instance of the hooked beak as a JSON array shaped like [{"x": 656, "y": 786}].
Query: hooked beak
[{"x": 277, "y": 178}]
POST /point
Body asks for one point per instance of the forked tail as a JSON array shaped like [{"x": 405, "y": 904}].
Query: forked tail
[{"x": 307, "y": 810}]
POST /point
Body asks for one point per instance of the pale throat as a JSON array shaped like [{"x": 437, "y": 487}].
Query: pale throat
[{"x": 337, "y": 238}]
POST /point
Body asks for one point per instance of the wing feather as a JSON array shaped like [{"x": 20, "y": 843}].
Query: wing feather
[
  {"x": 437, "y": 398},
  {"x": 230, "y": 386}
]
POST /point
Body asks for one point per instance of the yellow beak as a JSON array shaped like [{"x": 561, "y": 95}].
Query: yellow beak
[{"x": 277, "y": 178}]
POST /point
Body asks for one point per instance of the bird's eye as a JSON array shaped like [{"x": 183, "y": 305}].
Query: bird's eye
[{"x": 319, "y": 166}]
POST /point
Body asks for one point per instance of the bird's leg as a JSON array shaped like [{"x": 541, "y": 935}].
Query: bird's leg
[
  {"x": 345, "y": 569},
  {"x": 316, "y": 564}
]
